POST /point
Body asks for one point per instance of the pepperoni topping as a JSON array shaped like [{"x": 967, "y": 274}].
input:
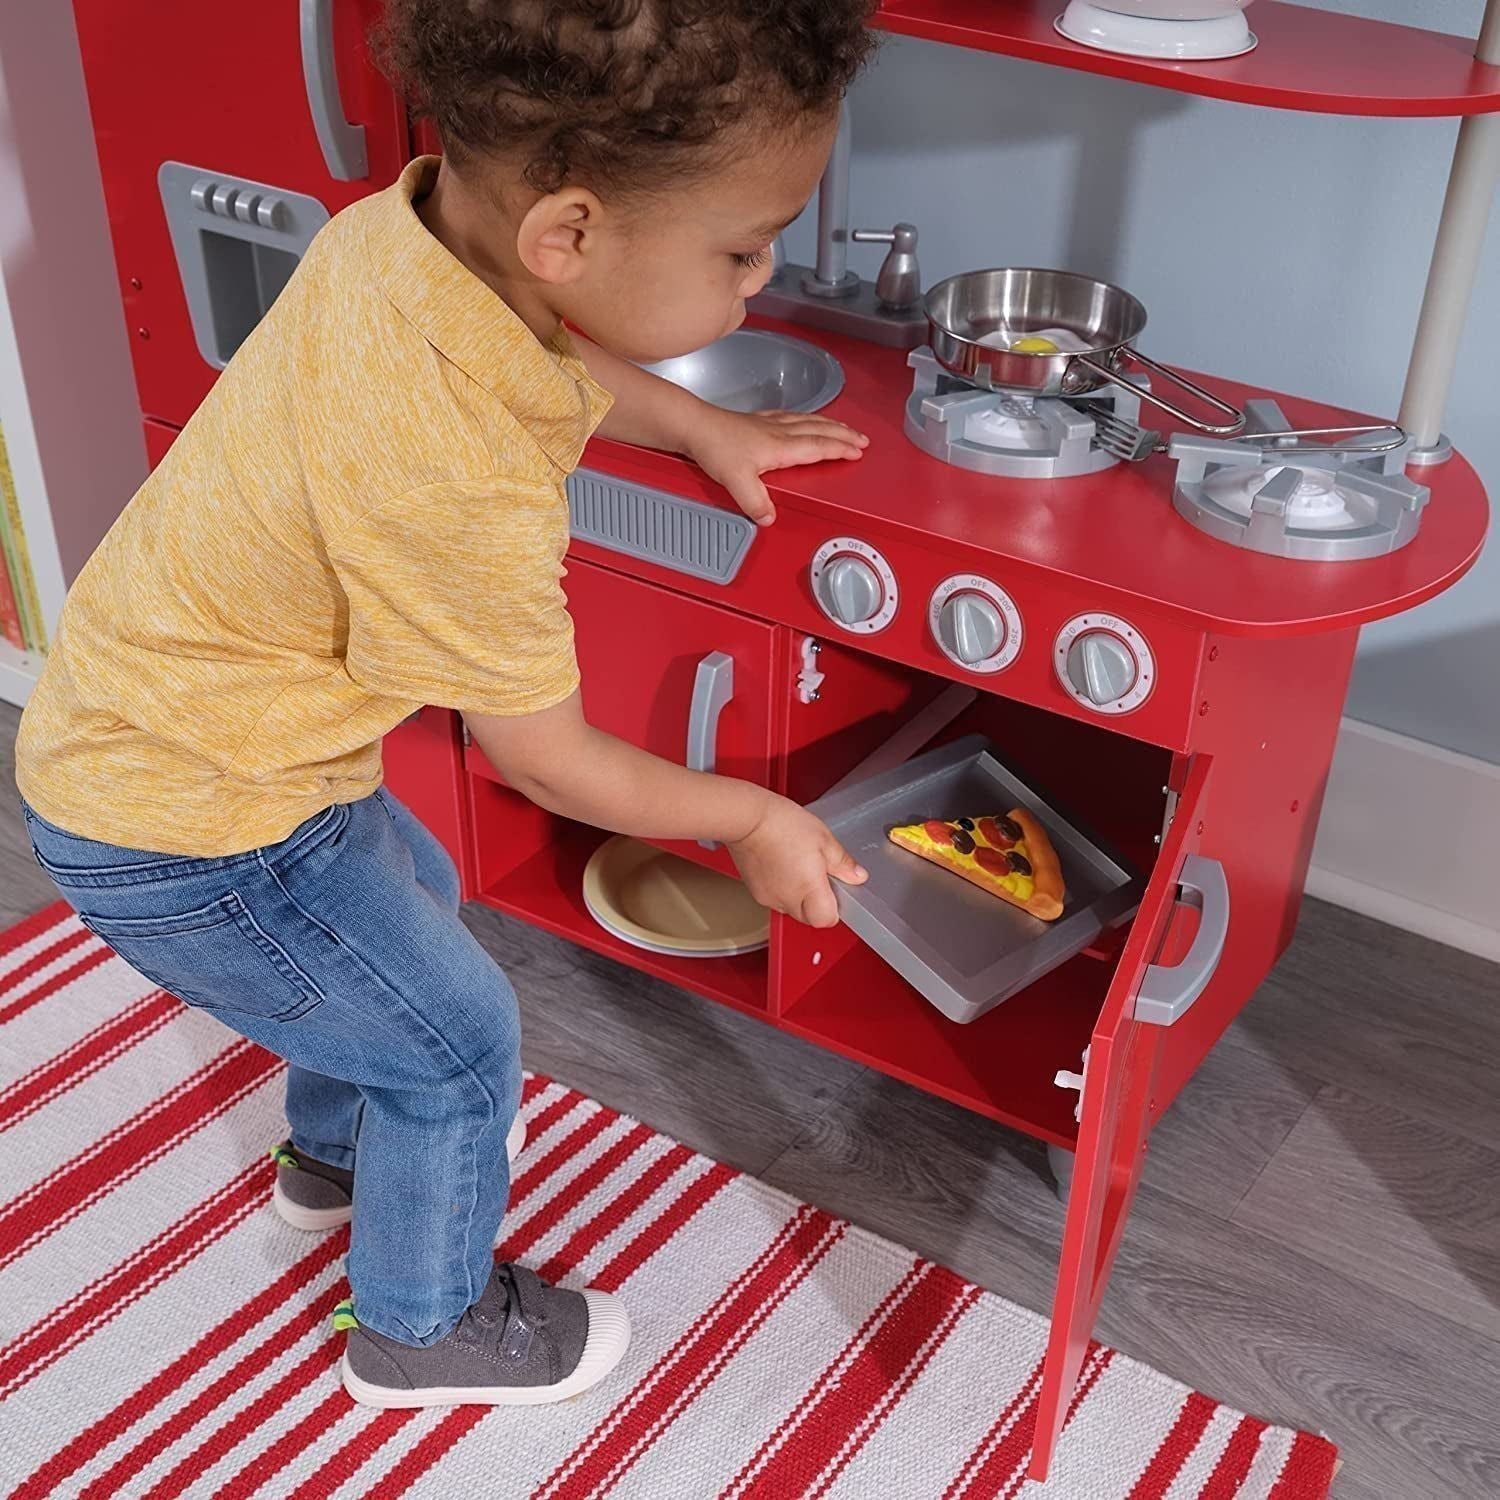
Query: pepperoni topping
[
  {"x": 963, "y": 842},
  {"x": 1019, "y": 863},
  {"x": 993, "y": 835},
  {"x": 992, "y": 862},
  {"x": 938, "y": 832}
]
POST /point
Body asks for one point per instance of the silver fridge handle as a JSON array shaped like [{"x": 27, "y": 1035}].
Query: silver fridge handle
[
  {"x": 1166, "y": 995},
  {"x": 343, "y": 144},
  {"x": 713, "y": 687}
]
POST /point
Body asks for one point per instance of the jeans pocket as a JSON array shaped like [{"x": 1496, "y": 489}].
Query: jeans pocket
[{"x": 217, "y": 957}]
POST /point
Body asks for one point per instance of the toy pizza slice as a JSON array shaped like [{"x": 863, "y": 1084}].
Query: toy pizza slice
[{"x": 1010, "y": 857}]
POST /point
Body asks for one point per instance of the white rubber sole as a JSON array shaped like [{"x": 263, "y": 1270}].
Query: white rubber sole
[
  {"x": 330, "y": 1218},
  {"x": 300, "y": 1217},
  {"x": 603, "y": 1349}
]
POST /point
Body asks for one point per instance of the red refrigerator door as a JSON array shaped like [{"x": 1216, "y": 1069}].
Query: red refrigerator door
[{"x": 281, "y": 95}]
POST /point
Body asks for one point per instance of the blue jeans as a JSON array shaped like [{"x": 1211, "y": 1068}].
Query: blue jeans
[{"x": 340, "y": 949}]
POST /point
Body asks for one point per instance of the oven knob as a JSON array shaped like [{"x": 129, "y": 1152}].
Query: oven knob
[
  {"x": 854, "y": 585},
  {"x": 1105, "y": 663},
  {"x": 975, "y": 622},
  {"x": 970, "y": 629},
  {"x": 849, "y": 591},
  {"x": 1101, "y": 667}
]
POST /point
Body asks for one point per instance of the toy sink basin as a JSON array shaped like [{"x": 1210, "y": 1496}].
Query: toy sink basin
[{"x": 754, "y": 369}]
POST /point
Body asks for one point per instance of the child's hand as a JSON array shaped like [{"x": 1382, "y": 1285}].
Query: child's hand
[
  {"x": 737, "y": 449},
  {"x": 787, "y": 859}
]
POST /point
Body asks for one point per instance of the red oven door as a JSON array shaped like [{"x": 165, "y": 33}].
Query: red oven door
[
  {"x": 1165, "y": 966},
  {"x": 283, "y": 94}
]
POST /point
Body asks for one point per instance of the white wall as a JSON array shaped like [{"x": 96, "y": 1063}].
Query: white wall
[{"x": 1281, "y": 248}]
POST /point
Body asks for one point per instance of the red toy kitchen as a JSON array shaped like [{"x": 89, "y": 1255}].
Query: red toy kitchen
[{"x": 1151, "y": 632}]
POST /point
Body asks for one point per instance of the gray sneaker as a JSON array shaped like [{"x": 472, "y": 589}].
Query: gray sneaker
[
  {"x": 312, "y": 1195},
  {"x": 523, "y": 1343}
]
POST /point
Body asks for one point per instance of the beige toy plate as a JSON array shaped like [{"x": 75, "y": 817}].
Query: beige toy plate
[{"x": 666, "y": 904}]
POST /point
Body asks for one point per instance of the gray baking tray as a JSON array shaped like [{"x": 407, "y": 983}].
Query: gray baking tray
[{"x": 963, "y": 949}]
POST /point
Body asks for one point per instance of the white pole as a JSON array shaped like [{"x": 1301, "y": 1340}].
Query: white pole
[{"x": 1455, "y": 266}]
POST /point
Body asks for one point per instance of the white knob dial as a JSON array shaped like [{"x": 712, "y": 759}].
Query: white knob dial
[
  {"x": 849, "y": 591},
  {"x": 975, "y": 623},
  {"x": 853, "y": 585},
  {"x": 1101, "y": 667},
  {"x": 970, "y": 628},
  {"x": 1104, "y": 663}
]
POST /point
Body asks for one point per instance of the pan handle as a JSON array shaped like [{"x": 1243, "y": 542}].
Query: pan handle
[
  {"x": 1208, "y": 399},
  {"x": 1276, "y": 440}
]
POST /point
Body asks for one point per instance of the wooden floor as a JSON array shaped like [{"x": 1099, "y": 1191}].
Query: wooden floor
[{"x": 1318, "y": 1237}]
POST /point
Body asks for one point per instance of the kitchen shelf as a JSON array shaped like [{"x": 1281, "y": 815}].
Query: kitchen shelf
[
  {"x": 547, "y": 891},
  {"x": 1001, "y": 1065},
  {"x": 1313, "y": 60}
]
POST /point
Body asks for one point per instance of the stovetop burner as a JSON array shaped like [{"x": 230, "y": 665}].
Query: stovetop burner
[
  {"x": 1003, "y": 433},
  {"x": 1320, "y": 504}
]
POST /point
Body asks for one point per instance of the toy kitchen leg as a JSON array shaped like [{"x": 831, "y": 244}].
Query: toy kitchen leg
[
  {"x": 1060, "y": 1163},
  {"x": 1219, "y": 909}
]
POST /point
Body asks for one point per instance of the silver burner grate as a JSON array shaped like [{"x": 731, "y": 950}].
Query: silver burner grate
[
  {"x": 1335, "y": 503},
  {"x": 1002, "y": 433}
]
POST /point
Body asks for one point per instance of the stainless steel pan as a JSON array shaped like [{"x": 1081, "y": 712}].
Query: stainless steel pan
[{"x": 1103, "y": 321}]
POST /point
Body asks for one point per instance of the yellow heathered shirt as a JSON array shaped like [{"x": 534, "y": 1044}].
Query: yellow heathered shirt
[{"x": 366, "y": 515}]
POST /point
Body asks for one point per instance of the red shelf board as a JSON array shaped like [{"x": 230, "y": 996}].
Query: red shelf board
[
  {"x": 1312, "y": 60},
  {"x": 1001, "y": 1065},
  {"x": 547, "y": 891}
]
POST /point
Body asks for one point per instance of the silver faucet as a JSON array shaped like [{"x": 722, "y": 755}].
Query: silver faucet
[
  {"x": 828, "y": 294},
  {"x": 899, "y": 284},
  {"x": 831, "y": 276}
]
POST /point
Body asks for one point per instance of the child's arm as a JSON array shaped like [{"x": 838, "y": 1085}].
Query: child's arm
[
  {"x": 732, "y": 448},
  {"x": 562, "y": 763}
]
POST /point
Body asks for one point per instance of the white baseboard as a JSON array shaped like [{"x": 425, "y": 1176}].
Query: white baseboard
[
  {"x": 1409, "y": 836},
  {"x": 18, "y": 674}
]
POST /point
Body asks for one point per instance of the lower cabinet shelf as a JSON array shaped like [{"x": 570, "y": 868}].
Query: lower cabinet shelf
[
  {"x": 547, "y": 891},
  {"x": 1001, "y": 1066}
]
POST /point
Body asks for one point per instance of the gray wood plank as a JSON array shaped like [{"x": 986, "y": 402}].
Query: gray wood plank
[
  {"x": 1363, "y": 1188},
  {"x": 724, "y": 1083},
  {"x": 1408, "y": 1396},
  {"x": 1224, "y": 1127},
  {"x": 1387, "y": 1014}
]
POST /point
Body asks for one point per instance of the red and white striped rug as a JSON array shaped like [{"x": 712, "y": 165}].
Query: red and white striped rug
[{"x": 164, "y": 1334}]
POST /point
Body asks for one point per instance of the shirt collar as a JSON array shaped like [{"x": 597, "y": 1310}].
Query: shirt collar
[{"x": 544, "y": 386}]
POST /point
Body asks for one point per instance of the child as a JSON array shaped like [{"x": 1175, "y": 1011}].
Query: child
[{"x": 366, "y": 515}]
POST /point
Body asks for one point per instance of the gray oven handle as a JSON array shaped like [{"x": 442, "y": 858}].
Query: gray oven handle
[
  {"x": 713, "y": 687},
  {"x": 343, "y": 144},
  {"x": 1166, "y": 995}
]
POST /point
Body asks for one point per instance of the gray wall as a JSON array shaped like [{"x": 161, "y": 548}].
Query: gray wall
[{"x": 1285, "y": 249}]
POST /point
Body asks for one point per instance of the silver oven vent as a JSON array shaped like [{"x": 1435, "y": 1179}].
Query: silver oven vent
[{"x": 684, "y": 535}]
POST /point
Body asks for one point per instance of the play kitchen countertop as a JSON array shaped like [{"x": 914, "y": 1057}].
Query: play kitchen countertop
[{"x": 1115, "y": 530}]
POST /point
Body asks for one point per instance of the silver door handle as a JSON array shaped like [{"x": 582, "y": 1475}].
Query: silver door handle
[
  {"x": 1167, "y": 994},
  {"x": 343, "y": 144},
  {"x": 713, "y": 687}
]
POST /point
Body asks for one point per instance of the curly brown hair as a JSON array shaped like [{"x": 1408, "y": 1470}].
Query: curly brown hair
[{"x": 616, "y": 94}]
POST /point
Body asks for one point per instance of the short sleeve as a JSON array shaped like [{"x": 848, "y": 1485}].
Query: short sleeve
[{"x": 455, "y": 597}]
